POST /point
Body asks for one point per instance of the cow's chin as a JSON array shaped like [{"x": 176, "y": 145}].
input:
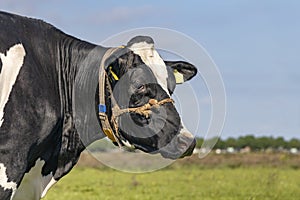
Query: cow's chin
[
  {"x": 180, "y": 147},
  {"x": 181, "y": 144}
]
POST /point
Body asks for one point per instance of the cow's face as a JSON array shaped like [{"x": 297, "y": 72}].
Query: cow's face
[{"x": 143, "y": 75}]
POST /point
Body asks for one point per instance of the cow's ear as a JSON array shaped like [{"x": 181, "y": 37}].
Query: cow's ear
[{"x": 183, "y": 71}]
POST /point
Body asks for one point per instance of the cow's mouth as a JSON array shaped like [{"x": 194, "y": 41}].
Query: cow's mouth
[{"x": 179, "y": 147}]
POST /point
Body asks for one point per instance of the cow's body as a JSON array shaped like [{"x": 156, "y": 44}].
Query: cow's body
[
  {"x": 41, "y": 69},
  {"x": 38, "y": 64}
]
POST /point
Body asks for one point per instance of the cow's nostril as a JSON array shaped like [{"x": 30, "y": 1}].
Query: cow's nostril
[
  {"x": 182, "y": 143},
  {"x": 187, "y": 145}
]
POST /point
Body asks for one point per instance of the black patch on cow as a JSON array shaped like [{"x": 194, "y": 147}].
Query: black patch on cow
[
  {"x": 5, "y": 194},
  {"x": 139, "y": 39},
  {"x": 0, "y": 66}
]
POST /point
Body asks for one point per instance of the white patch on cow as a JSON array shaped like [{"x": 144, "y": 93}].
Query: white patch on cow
[
  {"x": 34, "y": 185},
  {"x": 7, "y": 185},
  {"x": 152, "y": 59},
  {"x": 11, "y": 65}
]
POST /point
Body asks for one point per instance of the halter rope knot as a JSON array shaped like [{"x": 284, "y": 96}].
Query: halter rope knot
[{"x": 144, "y": 110}]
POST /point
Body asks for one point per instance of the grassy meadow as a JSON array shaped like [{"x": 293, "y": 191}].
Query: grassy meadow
[{"x": 217, "y": 177}]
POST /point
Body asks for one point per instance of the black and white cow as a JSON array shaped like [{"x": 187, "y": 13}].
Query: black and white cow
[{"x": 39, "y": 65}]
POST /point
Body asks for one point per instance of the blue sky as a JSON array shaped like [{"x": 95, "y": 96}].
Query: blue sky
[{"x": 255, "y": 44}]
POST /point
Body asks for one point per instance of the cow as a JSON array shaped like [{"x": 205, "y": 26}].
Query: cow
[{"x": 42, "y": 68}]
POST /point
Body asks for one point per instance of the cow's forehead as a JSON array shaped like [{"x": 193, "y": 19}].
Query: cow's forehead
[{"x": 153, "y": 60}]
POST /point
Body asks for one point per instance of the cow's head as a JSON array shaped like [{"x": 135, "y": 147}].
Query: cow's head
[{"x": 137, "y": 74}]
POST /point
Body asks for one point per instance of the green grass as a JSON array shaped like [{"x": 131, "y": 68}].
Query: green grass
[{"x": 186, "y": 182}]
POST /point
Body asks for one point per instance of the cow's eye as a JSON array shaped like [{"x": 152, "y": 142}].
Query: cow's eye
[{"x": 141, "y": 88}]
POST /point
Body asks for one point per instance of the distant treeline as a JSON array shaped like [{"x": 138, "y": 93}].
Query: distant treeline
[{"x": 255, "y": 143}]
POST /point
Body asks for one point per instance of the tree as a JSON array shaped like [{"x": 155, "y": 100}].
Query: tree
[
  {"x": 255, "y": 143},
  {"x": 220, "y": 144},
  {"x": 263, "y": 143},
  {"x": 293, "y": 143},
  {"x": 279, "y": 142},
  {"x": 244, "y": 141},
  {"x": 231, "y": 142}
]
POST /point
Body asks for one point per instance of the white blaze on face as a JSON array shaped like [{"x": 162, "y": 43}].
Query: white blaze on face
[
  {"x": 12, "y": 62},
  {"x": 153, "y": 60}
]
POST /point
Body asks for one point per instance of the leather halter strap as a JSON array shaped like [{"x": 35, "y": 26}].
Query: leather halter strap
[{"x": 106, "y": 127}]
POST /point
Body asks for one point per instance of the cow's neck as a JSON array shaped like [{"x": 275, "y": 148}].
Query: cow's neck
[
  {"x": 78, "y": 65},
  {"x": 72, "y": 55}
]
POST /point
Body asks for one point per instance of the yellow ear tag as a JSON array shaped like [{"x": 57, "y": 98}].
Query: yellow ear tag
[
  {"x": 178, "y": 77},
  {"x": 113, "y": 74}
]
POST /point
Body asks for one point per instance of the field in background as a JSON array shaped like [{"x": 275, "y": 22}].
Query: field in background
[{"x": 217, "y": 177}]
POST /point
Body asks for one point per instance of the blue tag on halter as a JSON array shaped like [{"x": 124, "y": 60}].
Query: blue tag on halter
[{"x": 102, "y": 108}]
